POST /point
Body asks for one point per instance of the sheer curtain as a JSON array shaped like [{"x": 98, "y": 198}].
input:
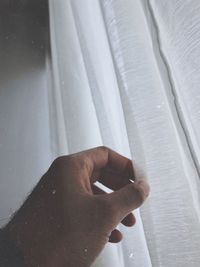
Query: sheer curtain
[
  {"x": 125, "y": 74},
  {"x": 121, "y": 76}
]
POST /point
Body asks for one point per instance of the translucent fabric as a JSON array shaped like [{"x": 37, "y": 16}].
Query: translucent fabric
[{"x": 123, "y": 74}]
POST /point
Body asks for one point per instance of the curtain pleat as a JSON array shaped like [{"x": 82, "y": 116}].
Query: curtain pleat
[
  {"x": 81, "y": 127},
  {"x": 169, "y": 166},
  {"x": 100, "y": 90},
  {"x": 178, "y": 25},
  {"x": 119, "y": 73},
  {"x": 115, "y": 85}
]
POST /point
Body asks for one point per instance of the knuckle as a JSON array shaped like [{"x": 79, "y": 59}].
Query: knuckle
[
  {"x": 85, "y": 160},
  {"x": 82, "y": 162},
  {"x": 59, "y": 161},
  {"x": 103, "y": 148},
  {"x": 77, "y": 161}
]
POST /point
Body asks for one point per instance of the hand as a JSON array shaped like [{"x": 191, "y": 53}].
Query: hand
[{"x": 67, "y": 220}]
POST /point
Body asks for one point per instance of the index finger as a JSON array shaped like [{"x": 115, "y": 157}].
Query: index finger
[{"x": 104, "y": 158}]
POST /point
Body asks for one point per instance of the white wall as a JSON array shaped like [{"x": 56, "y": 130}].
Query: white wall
[{"x": 23, "y": 102}]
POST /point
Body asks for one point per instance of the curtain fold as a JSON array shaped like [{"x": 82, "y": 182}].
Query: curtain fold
[
  {"x": 179, "y": 36},
  {"x": 101, "y": 86},
  {"x": 119, "y": 73},
  {"x": 117, "y": 84}
]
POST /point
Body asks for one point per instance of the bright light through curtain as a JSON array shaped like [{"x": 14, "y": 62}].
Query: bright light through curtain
[
  {"x": 126, "y": 75},
  {"x": 120, "y": 73}
]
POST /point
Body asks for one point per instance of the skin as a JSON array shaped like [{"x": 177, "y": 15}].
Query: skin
[{"x": 67, "y": 220}]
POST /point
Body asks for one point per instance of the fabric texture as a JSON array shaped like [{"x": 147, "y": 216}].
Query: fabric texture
[{"x": 124, "y": 74}]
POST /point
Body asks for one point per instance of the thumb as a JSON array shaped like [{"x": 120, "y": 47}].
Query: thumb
[{"x": 128, "y": 198}]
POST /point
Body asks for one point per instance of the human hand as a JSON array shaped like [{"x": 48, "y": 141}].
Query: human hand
[{"x": 67, "y": 220}]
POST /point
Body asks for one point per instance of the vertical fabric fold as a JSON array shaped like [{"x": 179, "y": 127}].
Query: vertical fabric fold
[
  {"x": 108, "y": 88},
  {"x": 79, "y": 125},
  {"x": 179, "y": 26},
  {"x": 148, "y": 113},
  {"x": 80, "y": 121},
  {"x": 104, "y": 89}
]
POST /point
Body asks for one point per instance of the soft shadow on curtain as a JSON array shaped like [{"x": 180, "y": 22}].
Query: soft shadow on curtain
[{"x": 125, "y": 74}]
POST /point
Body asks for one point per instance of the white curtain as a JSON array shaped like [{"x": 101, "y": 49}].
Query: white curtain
[{"x": 125, "y": 74}]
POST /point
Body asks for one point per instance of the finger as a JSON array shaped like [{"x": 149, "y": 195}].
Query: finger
[
  {"x": 115, "y": 236},
  {"x": 129, "y": 220},
  {"x": 109, "y": 164},
  {"x": 97, "y": 191},
  {"x": 103, "y": 157},
  {"x": 128, "y": 198},
  {"x": 115, "y": 180}
]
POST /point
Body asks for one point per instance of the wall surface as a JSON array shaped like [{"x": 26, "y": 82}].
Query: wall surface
[{"x": 23, "y": 101}]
